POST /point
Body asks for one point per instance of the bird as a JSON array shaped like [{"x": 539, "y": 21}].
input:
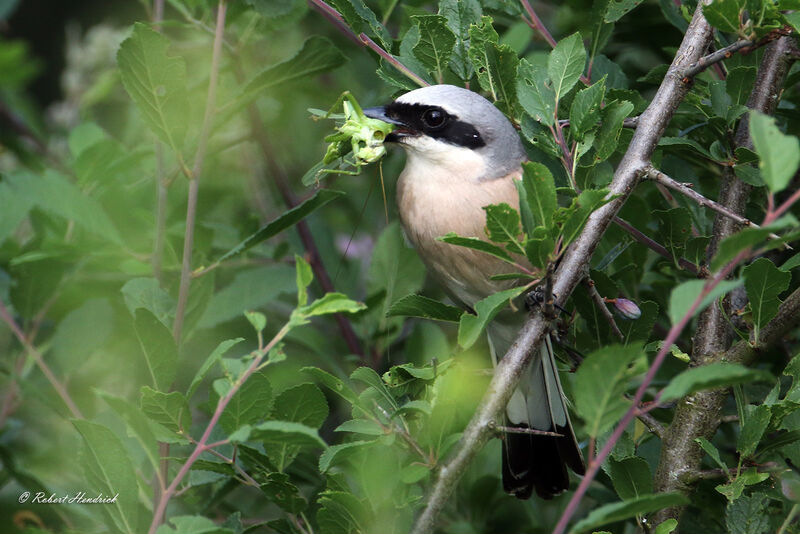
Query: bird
[{"x": 463, "y": 154}]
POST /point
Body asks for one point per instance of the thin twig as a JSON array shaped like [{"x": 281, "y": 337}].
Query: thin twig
[
  {"x": 335, "y": 18},
  {"x": 191, "y": 208},
  {"x": 655, "y": 246},
  {"x": 5, "y": 315},
  {"x": 686, "y": 190},
  {"x": 529, "y": 431},
  {"x": 600, "y": 304}
]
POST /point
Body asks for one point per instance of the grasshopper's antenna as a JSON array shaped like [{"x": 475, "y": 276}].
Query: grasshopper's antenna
[{"x": 353, "y": 233}]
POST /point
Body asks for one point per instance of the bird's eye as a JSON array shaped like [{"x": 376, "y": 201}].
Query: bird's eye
[{"x": 434, "y": 118}]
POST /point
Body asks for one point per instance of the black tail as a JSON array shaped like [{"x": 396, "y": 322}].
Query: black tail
[{"x": 532, "y": 462}]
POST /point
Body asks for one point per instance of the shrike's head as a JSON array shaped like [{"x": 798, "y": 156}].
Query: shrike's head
[{"x": 449, "y": 127}]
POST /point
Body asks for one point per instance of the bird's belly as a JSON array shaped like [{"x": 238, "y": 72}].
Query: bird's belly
[{"x": 432, "y": 209}]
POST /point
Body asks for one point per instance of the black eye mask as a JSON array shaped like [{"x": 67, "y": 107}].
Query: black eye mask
[{"x": 435, "y": 122}]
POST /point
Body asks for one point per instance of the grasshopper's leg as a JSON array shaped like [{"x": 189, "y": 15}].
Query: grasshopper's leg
[{"x": 339, "y": 101}]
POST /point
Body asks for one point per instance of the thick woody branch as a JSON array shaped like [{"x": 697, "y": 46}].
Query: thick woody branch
[
  {"x": 698, "y": 415},
  {"x": 651, "y": 126}
]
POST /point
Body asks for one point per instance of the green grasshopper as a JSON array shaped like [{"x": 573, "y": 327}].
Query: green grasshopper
[{"x": 359, "y": 135}]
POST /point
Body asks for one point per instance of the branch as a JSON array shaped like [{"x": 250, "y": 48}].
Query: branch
[
  {"x": 362, "y": 39},
  {"x": 698, "y": 415},
  {"x": 510, "y": 369},
  {"x": 5, "y": 315},
  {"x": 657, "y": 247},
  {"x": 601, "y": 305},
  {"x": 686, "y": 190},
  {"x": 191, "y": 208}
]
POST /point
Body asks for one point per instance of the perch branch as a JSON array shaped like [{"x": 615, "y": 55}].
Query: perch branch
[{"x": 570, "y": 271}]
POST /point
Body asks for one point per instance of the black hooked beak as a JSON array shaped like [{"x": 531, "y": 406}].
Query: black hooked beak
[{"x": 402, "y": 129}]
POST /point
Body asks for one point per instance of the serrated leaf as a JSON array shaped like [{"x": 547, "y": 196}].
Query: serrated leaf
[
  {"x": 368, "y": 376},
  {"x": 645, "y": 504},
  {"x": 618, "y": 9},
  {"x": 215, "y": 356},
  {"x": 156, "y": 82},
  {"x": 334, "y": 384},
  {"x": 147, "y": 293},
  {"x": 733, "y": 490},
  {"x": 614, "y": 115},
  {"x": 476, "y": 244},
  {"x": 684, "y": 295},
  {"x": 284, "y": 221},
  {"x": 579, "y": 211},
  {"x": 535, "y": 93},
  {"x": 585, "y": 110},
  {"x": 537, "y": 193},
  {"x": 565, "y": 64},
  {"x": 470, "y": 326},
  {"x": 779, "y": 154},
  {"x": 723, "y": 14},
  {"x": 763, "y": 283},
  {"x": 331, "y": 303},
  {"x": 109, "y": 471},
  {"x": 286, "y": 434},
  {"x": 361, "y": 426},
  {"x": 419, "y": 306},
  {"x": 280, "y": 491},
  {"x": 192, "y": 524},
  {"x": 748, "y": 515},
  {"x": 713, "y": 375},
  {"x": 460, "y": 14},
  {"x": 159, "y": 348},
  {"x": 674, "y": 229},
  {"x": 600, "y": 403},
  {"x": 137, "y": 424},
  {"x": 303, "y": 404},
  {"x": 436, "y": 42},
  {"x": 631, "y": 477},
  {"x": 495, "y": 65},
  {"x": 753, "y": 430},
  {"x": 358, "y": 15},
  {"x": 250, "y": 404},
  {"x": 167, "y": 409},
  {"x": 685, "y": 142},
  {"x": 503, "y": 226}
]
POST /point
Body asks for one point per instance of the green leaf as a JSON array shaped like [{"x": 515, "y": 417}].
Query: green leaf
[
  {"x": 763, "y": 283},
  {"x": 358, "y": 15},
  {"x": 684, "y": 295},
  {"x": 667, "y": 527},
  {"x": 419, "y": 306},
  {"x": 249, "y": 405},
  {"x": 192, "y": 524},
  {"x": 82, "y": 332},
  {"x": 281, "y": 223},
  {"x": 137, "y": 424},
  {"x": 147, "y": 293},
  {"x": 171, "y": 410},
  {"x": 302, "y": 404},
  {"x": 779, "y": 154},
  {"x": 337, "y": 453},
  {"x": 712, "y": 451},
  {"x": 580, "y": 210},
  {"x": 753, "y": 430},
  {"x": 733, "y": 490},
  {"x": 286, "y": 435},
  {"x": 361, "y": 426},
  {"x": 674, "y": 229},
  {"x": 732, "y": 245},
  {"x": 748, "y": 514},
  {"x": 304, "y": 276},
  {"x": 585, "y": 110},
  {"x": 503, "y": 226},
  {"x": 159, "y": 348},
  {"x": 739, "y": 83},
  {"x": 331, "y": 303},
  {"x": 645, "y": 504},
  {"x": 341, "y": 512},
  {"x": 495, "y": 65},
  {"x": 711, "y": 376},
  {"x": 600, "y": 403},
  {"x": 535, "y": 93},
  {"x": 317, "y": 55},
  {"x": 614, "y": 115},
  {"x": 213, "y": 358},
  {"x": 280, "y": 491},
  {"x": 279, "y": 13},
  {"x": 723, "y": 14},
  {"x": 250, "y": 289},
  {"x": 476, "y": 244},
  {"x": 537, "y": 193},
  {"x": 156, "y": 83},
  {"x": 470, "y": 326},
  {"x": 368, "y": 376},
  {"x": 109, "y": 471},
  {"x": 334, "y": 384},
  {"x": 565, "y": 64},
  {"x": 631, "y": 477},
  {"x": 460, "y": 14},
  {"x": 435, "y": 44},
  {"x": 618, "y": 9}
]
